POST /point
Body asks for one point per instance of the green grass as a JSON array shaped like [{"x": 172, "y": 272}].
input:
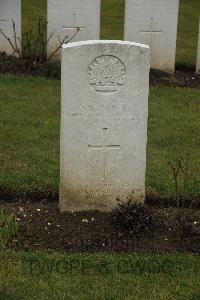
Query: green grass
[
  {"x": 173, "y": 131},
  {"x": 75, "y": 276},
  {"x": 112, "y": 24},
  {"x": 188, "y": 32},
  {"x": 112, "y": 19},
  {"x": 30, "y": 137},
  {"x": 31, "y": 12},
  {"x": 30, "y": 118}
]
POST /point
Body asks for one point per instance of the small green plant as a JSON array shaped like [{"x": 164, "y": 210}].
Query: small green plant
[
  {"x": 8, "y": 228},
  {"x": 131, "y": 217},
  {"x": 185, "y": 183}
]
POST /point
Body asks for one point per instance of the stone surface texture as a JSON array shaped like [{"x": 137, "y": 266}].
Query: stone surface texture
[
  {"x": 65, "y": 15},
  {"x": 105, "y": 86},
  {"x": 10, "y": 10},
  {"x": 198, "y": 53},
  {"x": 154, "y": 22}
]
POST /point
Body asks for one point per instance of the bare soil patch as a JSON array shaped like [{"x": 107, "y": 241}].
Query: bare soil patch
[
  {"x": 181, "y": 78},
  {"x": 42, "y": 226}
]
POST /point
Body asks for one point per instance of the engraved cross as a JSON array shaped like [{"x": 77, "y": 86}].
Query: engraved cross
[
  {"x": 2, "y": 20},
  {"x": 74, "y": 24},
  {"x": 104, "y": 146},
  {"x": 151, "y": 31}
]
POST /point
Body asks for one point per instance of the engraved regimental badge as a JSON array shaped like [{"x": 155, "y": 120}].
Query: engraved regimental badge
[{"x": 107, "y": 74}]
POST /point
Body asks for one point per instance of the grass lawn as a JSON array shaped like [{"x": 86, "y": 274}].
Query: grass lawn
[
  {"x": 30, "y": 118},
  {"x": 112, "y": 22},
  {"x": 40, "y": 275}
]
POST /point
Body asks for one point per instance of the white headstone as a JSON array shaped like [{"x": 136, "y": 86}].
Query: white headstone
[
  {"x": 104, "y": 110},
  {"x": 198, "y": 53},
  {"x": 154, "y": 22},
  {"x": 10, "y": 11},
  {"x": 65, "y": 15}
]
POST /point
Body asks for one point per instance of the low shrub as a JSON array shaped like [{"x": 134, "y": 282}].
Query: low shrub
[
  {"x": 32, "y": 57},
  {"x": 20, "y": 65},
  {"x": 130, "y": 217}
]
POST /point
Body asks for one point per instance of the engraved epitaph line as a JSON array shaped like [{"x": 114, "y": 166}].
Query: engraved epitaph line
[{"x": 104, "y": 146}]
